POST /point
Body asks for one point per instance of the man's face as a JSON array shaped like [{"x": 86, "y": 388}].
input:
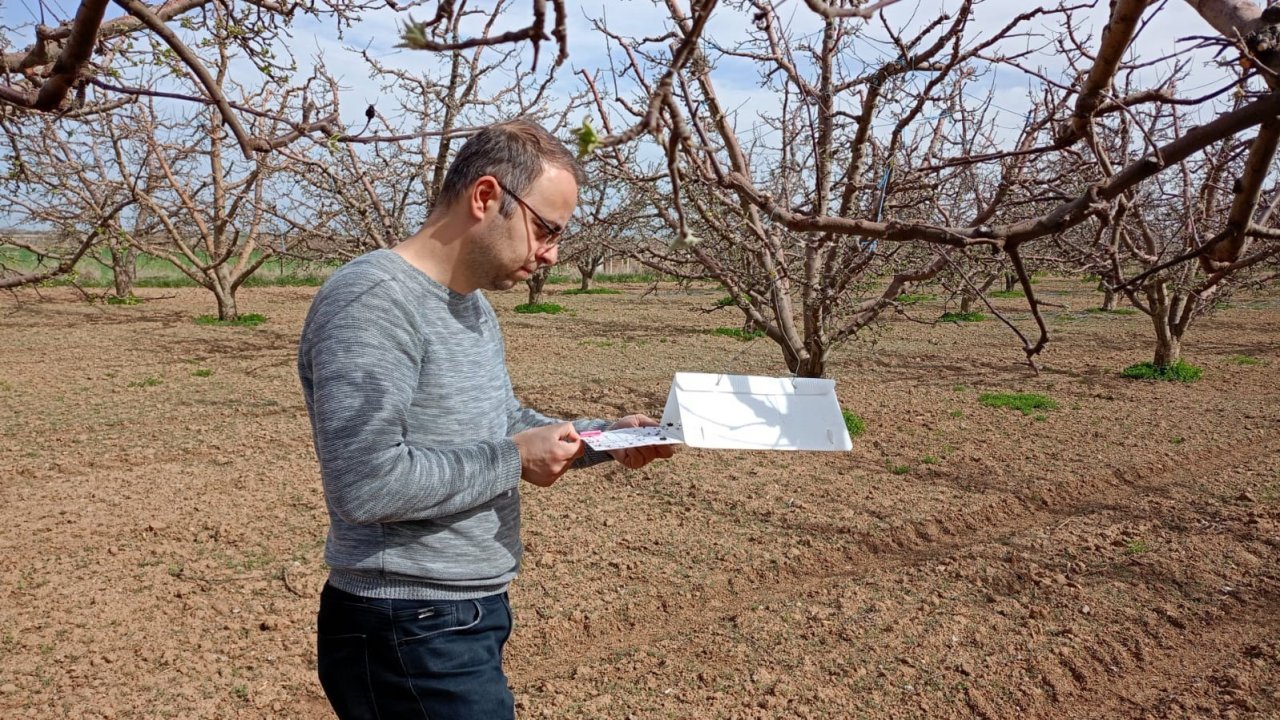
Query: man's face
[{"x": 514, "y": 248}]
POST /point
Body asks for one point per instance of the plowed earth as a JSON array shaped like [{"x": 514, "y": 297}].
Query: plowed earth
[{"x": 1118, "y": 557}]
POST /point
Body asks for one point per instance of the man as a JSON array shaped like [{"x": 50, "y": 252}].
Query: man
[{"x": 422, "y": 443}]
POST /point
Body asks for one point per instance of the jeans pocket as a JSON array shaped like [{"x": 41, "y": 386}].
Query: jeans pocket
[
  {"x": 422, "y": 623},
  {"x": 343, "y": 665}
]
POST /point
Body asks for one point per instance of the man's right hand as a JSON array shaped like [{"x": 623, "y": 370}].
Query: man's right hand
[{"x": 547, "y": 452}]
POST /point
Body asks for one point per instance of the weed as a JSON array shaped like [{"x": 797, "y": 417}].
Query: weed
[
  {"x": 899, "y": 469},
  {"x": 1114, "y": 311},
  {"x": 1244, "y": 360},
  {"x": 531, "y": 308},
  {"x": 1041, "y": 417},
  {"x": 202, "y": 372},
  {"x": 853, "y": 423},
  {"x": 245, "y": 320},
  {"x": 1179, "y": 371},
  {"x": 149, "y": 381},
  {"x": 1178, "y": 440},
  {"x": 725, "y": 301},
  {"x": 913, "y": 298},
  {"x": 1024, "y": 402},
  {"x": 928, "y": 460},
  {"x": 1270, "y": 493},
  {"x": 738, "y": 333},
  {"x": 592, "y": 291},
  {"x": 959, "y": 317},
  {"x": 129, "y": 299},
  {"x": 241, "y": 692},
  {"x": 1136, "y": 547},
  {"x": 1006, "y": 294},
  {"x": 598, "y": 343},
  {"x": 959, "y": 388},
  {"x": 957, "y": 413}
]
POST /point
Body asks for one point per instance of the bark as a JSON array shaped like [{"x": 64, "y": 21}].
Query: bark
[
  {"x": 1228, "y": 16},
  {"x": 536, "y": 282},
  {"x": 124, "y": 269},
  {"x": 1109, "y": 297}
]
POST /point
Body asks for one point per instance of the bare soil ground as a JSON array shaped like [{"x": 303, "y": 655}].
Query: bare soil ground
[{"x": 161, "y": 551}]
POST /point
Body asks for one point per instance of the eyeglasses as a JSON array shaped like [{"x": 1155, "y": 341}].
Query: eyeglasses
[{"x": 552, "y": 230}]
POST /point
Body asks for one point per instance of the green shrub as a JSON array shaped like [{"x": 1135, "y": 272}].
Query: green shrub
[
  {"x": 853, "y": 423},
  {"x": 245, "y": 320},
  {"x": 1179, "y": 372},
  {"x": 738, "y": 333},
  {"x": 1024, "y": 402},
  {"x": 959, "y": 317},
  {"x": 531, "y": 308}
]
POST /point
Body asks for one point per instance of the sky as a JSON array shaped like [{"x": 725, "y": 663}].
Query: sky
[{"x": 737, "y": 81}]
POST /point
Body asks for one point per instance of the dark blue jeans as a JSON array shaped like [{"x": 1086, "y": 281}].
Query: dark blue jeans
[{"x": 409, "y": 659}]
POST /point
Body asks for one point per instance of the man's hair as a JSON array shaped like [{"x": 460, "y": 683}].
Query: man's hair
[{"x": 515, "y": 152}]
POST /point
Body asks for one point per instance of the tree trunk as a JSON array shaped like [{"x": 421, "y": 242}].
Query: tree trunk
[
  {"x": 966, "y": 301},
  {"x": 1010, "y": 281},
  {"x": 1168, "y": 350},
  {"x": 124, "y": 270},
  {"x": 586, "y": 271},
  {"x": 1168, "y": 338},
  {"x": 1108, "y": 296},
  {"x": 226, "y": 305},
  {"x": 535, "y": 283}
]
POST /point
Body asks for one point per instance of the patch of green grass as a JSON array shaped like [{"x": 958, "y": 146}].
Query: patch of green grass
[
  {"x": 1136, "y": 547},
  {"x": 959, "y": 317},
  {"x": 1244, "y": 360},
  {"x": 644, "y": 277},
  {"x": 738, "y": 333},
  {"x": 1041, "y": 417},
  {"x": 725, "y": 301},
  {"x": 286, "y": 280},
  {"x": 959, "y": 388},
  {"x": 149, "y": 381},
  {"x": 957, "y": 413},
  {"x": 532, "y": 308},
  {"x": 202, "y": 372},
  {"x": 855, "y": 424},
  {"x": 1179, "y": 372},
  {"x": 1178, "y": 440},
  {"x": 129, "y": 299},
  {"x": 899, "y": 469},
  {"x": 165, "y": 281},
  {"x": 1114, "y": 311},
  {"x": 1006, "y": 294},
  {"x": 592, "y": 291},
  {"x": 928, "y": 460},
  {"x": 1023, "y": 402},
  {"x": 913, "y": 298},
  {"x": 245, "y": 320}
]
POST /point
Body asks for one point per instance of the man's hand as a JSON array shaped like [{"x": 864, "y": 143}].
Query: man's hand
[
  {"x": 638, "y": 457},
  {"x": 547, "y": 452}
]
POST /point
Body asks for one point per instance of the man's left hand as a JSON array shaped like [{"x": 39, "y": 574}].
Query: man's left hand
[{"x": 638, "y": 457}]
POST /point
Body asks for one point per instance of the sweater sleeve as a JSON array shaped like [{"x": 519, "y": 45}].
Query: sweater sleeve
[{"x": 360, "y": 357}]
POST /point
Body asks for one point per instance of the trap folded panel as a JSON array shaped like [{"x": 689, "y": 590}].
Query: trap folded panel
[{"x": 750, "y": 412}]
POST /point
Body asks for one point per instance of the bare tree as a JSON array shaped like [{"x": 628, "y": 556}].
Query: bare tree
[{"x": 802, "y": 225}]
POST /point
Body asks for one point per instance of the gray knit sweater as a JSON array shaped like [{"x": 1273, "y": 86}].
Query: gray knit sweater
[{"x": 412, "y": 415}]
